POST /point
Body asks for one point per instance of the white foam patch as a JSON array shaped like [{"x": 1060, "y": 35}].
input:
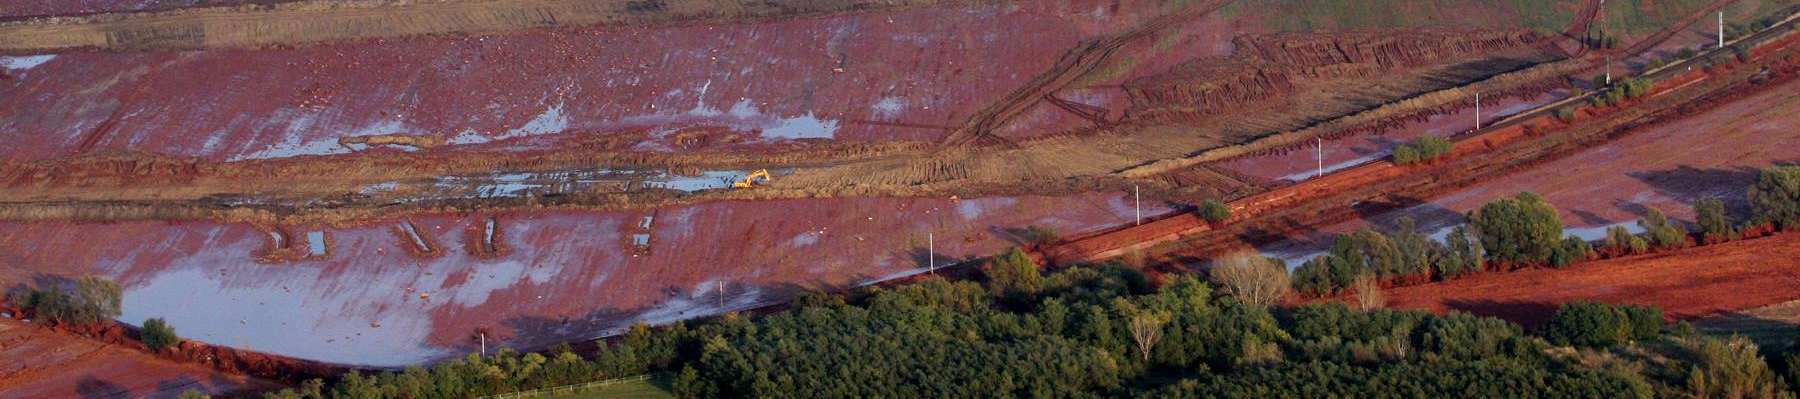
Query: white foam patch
[
  {"x": 550, "y": 121},
  {"x": 25, "y": 62},
  {"x": 888, "y": 108},
  {"x": 801, "y": 127},
  {"x": 805, "y": 239}
]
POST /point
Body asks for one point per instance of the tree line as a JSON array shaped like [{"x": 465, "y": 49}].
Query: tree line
[
  {"x": 1525, "y": 231},
  {"x": 1110, "y": 331}
]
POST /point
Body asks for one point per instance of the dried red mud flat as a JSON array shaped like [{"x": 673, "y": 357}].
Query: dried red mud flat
[
  {"x": 1686, "y": 284},
  {"x": 564, "y": 276},
  {"x": 39, "y": 363},
  {"x": 1713, "y": 154},
  {"x": 37, "y": 8},
  {"x": 855, "y": 77}
]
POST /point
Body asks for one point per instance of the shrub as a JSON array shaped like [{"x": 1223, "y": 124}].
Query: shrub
[
  {"x": 1599, "y": 325},
  {"x": 1731, "y": 368},
  {"x": 1417, "y": 252},
  {"x": 1636, "y": 87},
  {"x": 1646, "y": 321},
  {"x": 1013, "y": 273},
  {"x": 1040, "y": 235},
  {"x": 1618, "y": 240},
  {"x": 1793, "y": 356},
  {"x": 1421, "y": 150},
  {"x": 1685, "y": 53},
  {"x": 1775, "y": 198},
  {"x": 1463, "y": 253},
  {"x": 1715, "y": 226},
  {"x": 1639, "y": 245},
  {"x": 1214, "y": 211},
  {"x": 1314, "y": 278},
  {"x": 1566, "y": 114},
  {"x": 94, "y": 300},
  {"x": 1251, "y": 278},
  {"x": 158, "y": 335},
  {"x": 1572, "y": 249},
  {"x": 1523, "y": 229},
  {"x": 1405, "y": 155},
  {"x": 1663, "y": 234}
]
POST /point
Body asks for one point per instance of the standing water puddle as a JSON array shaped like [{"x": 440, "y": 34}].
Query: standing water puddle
[{"x": 315, "y": 243}]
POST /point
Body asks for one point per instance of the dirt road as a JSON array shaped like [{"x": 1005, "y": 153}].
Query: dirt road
[{"x": 1686, "y": 284}]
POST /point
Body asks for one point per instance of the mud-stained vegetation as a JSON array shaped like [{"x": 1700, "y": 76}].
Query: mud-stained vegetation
[{"x": 586, "y": 186}]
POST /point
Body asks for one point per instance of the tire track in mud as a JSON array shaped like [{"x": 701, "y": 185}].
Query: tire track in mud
[
  {"x": 316, "y": 21},
  {"x": 1683, "y": 24},
  {"x": 1074, "y": 63}
]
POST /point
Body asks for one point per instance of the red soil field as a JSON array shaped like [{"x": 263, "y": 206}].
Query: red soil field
[
  {"x": 1686, "y": 284},
  {"x": 39, "y": 363},
  {"x": 567, "y": 276}
]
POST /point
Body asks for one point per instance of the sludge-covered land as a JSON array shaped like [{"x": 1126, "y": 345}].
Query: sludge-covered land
[{"x": 898, "y": 198}]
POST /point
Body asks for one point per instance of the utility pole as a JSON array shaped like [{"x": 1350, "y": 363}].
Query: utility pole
[
  {"x": 1609, "y": 70},
  {"x": 1138, "y": 202},
  {"x": 484, "y": 343},
  {"x": 1477, "y": 111},
  {"x": 931, "y": 253},
  {"x": 1721, "y": 29},
  {"x": 721, "y": 285},
  {"x": 1321, "y": 156}
]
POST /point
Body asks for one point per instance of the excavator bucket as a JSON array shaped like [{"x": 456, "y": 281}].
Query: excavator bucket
[{"x": 752, "y": 179}]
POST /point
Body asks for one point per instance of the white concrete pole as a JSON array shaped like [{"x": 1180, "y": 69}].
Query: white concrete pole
[
  {"x": 1477, "y": 111},
  {"x": 1138, "y": 202},
  {"x": 1721, "y": 29},
  {"x": 1321, "y": 156},
  {"x": 931, "y": 252}
]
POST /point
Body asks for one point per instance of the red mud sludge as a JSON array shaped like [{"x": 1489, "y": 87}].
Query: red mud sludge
[
  {"x": 568, "y": 275},
  {"x": 899, "y": 76}
]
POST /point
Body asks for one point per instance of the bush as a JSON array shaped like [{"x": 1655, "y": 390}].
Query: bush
[
  {"x": 1463, "y": 253},
  {"x": 1565, "y": 114},
  {"x": 158, "y": 335},
  {"x": 1523, "y": 229},
  {"x": 1636, "y": 87},
  {"x": 1315, "y": 278},
  {"x": 1599, "y": 325},
  {"x": 1251, "y": 278},
  {"x": 1715, "y": 226},
  {"x": 1663, "y": 234},
  {"x": 1572, "y": 250},
  {"x": 1040, "y": 235},
  {"x": 1214, "y": 211},
  {"x": 1013, "y": 273},
  {"x": 1405, "y": 155},
  {"x": 1421, "y": 150},
  {"x": 1775, "y": 198},
  {"x": 1618, "y": 240},
  {"x": 1685, "y": 53},
  {"x": 1731, "y": 368},
  {"x": 94, "y": 300}
]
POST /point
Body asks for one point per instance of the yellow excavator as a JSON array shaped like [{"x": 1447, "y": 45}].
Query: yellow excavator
[{"x": 751, "y": 180}]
